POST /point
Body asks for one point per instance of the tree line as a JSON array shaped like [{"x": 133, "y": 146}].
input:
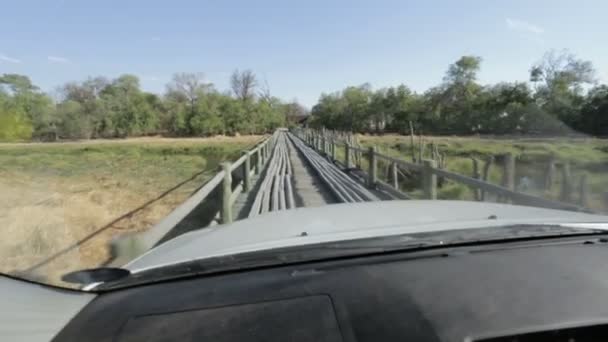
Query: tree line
[
  {"x": 102, "y": 108},
  {"x": 562, "y": 96}
]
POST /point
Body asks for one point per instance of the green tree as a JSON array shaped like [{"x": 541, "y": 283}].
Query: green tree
[
  {"x": 14, "y": 124},
  {"x": 453, "y": 102},
  {"x": 501, "y": 108},
  {"x": 594, "y": 112},
  {"x": 207, "y": 119},
  {"x": 560, "y": 79},
  {"x": 26, "y": 98},
  {"x": 128, "y": 108},
  {"x": 73, "y": 123}
]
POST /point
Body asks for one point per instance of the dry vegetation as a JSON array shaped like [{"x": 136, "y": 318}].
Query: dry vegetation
[{"x": 54, "y": 195}]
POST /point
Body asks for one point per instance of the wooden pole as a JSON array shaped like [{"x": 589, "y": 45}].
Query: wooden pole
[
  {"x": 508, "y": 180},
  {"x": 420, "y": 149},
  {"x": 584, "y": 191},
  {"x": 550, "y": 176},
  {"x": 373, "y": 167},
  {"x": 247, "y": 172},
  {"x": 394, "y": 176},
  {"x": 476, "y": 175},
  {"x": 412, "y": 142},
  {"x": 347, "y": 162},
  {"x": 226, "y": 192},
  {"x": 323, "y": 148},
  {"x": 429, "y": 179},
  {"x": 486, "y": 174},
  {"x": 566, "y": 190},
  {"x": 333, "y": 150},
  {"x": 258, "y": 164}
]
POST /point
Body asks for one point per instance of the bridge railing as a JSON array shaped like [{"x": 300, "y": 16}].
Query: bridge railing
[
  {"x": 233, "y": 179},
  {"x": 363, "y": 162}
]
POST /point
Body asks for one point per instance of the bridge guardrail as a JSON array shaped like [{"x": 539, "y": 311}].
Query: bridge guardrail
[
  {"x": 130, "y": 246},
  {"x": 327, "y": 144}
]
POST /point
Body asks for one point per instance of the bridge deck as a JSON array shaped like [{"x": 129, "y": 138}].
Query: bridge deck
[
  {"x": 299, "y": 172},
  {"x": 309, "y": 191}
]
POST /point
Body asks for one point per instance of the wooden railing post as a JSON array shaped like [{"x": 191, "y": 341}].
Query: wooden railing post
[
  {"x": 373, "y": 167},
  {"x": 323, "y": 148},
  {"x": 226, "y": 193},
  {"x": 429, "y": 179},
  {"x": 247, "y": 172},
  {"x": 347, "y": 155},
  {"x": 584, "y": 192},
  {"x": 333, "y": 150},
  {"x": 566, "y": 190},
  {"x": 486, "y": 174},
  {"x": 394, "y": 175},
  {"x": 258, "y": 164},
  {"x": 508, "y": 180}
]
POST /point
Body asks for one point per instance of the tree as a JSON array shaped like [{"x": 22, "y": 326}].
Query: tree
[
  {"x": 594, "y": 112},
  {"x": 463, "y": 71},
  {"x": 560, "y": 78},
  {"x": 186, "y": 89},
  {"x": 128, "y": 108},
  {"x": 91, "y": 107},
  {"x": 562, "y": 71},
  {"x": 208, "y": 117},
  {"x": 27, "y": 100},
  {"x": 72, "y": 123},
  {"x": 453, "y": 101},
  {"x": 501, "y": 108},
  {"x": 293, "y": 112},
  {"x": 14, "y": 124},
  {"x": 243, "y": 84}
]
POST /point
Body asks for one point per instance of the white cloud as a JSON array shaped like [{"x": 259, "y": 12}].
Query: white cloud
[
  {"x": 5, "y": 58},
  {"x": 155, "y": 39},
  {"x": 522, "y": 26},
  {"x": 57, "y": 59}
]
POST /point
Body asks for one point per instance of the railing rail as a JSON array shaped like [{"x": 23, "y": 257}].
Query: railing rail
[
  {"x": 127, "y": 247},
  {"x": 327, "y": 142}
]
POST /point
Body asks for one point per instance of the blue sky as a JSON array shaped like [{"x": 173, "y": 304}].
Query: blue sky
[{"x": 301, "y": 48}]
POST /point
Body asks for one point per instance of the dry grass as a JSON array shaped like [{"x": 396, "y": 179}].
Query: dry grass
[{"x": 53, "y": 195}]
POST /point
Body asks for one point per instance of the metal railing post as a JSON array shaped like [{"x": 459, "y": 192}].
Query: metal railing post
[{"x": 226, "y": 193}]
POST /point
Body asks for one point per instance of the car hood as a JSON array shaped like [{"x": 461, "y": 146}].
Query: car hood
[{"x": 342, "y": 222}]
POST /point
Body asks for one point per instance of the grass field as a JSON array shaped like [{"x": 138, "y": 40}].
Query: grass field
[
  {"x": 586, "y": 156},
  {"x": 53, "y": 195}
]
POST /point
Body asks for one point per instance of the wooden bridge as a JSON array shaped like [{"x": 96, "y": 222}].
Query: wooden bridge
[{"x": 306, "y": 168}]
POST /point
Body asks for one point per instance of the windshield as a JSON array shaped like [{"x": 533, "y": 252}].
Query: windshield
[{"x": 125, "y": 125}]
